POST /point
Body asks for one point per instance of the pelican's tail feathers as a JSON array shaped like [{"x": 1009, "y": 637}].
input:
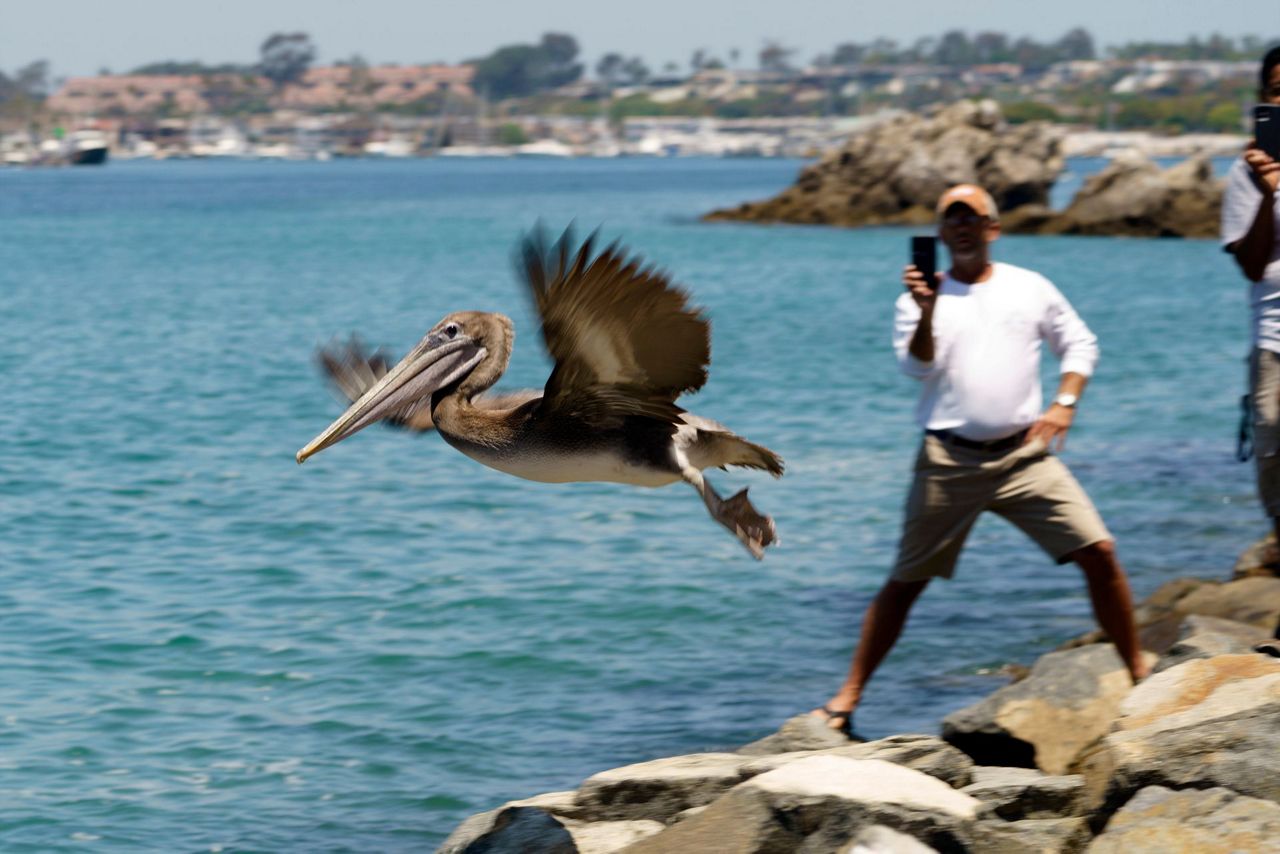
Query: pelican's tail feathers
[
  {"x": 708, "y": 444},
  {"x": 750, "y": 455}
]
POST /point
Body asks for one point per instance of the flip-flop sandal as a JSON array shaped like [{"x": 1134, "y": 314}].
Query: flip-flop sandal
[{"x": 846, "y": 728}]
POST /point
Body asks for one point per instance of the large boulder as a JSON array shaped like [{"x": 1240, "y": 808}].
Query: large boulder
[
  {"x": 660, "y": 789},
  {"x": 924, "y": 753},
  {"x": 1161, "y": 616},
  {"x": 1195, "y": 821},
  {"x": 1134, "y": 197},
  {"x": 1254, "y": 600},
  {"x": 1261, "y": 558},
  {"x": 510, "y": 830},
  {"x": 1204, "y": 637},
  {"x": 1067, "y": 702},
  {"x": 1207, "y": 722},
  {"x": 894, "y": 172},
  {"x": 820, "y": 804},
  {"x": 1014, "y": 794},
  {"x": 1033, "y": 836}
]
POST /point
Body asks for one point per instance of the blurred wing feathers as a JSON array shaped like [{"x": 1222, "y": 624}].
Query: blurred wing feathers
[{"x": 614, "y": 328}]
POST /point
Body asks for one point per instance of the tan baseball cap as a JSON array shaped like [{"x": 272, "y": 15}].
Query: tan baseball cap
[{"x": 976, "y": 198}]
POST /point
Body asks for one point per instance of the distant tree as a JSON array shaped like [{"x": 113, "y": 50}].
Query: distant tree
[
  {"x": 611, "y": 68},
  {"x": 991, "y": 47},
  {"x": 285, "y": 57},
  {"x": 954, "y": 48},
  {"x": 698, "y": 60},
  {"x": 636, "y": 71},
  {"x": 1076, "y": 44},
  {"x": 511, "y": 134},
  {"x": 848, "y": 53},
  {"x": 880, "y": 51},
  {"x": 734, "y": 56},
  {"x": 234, "y": 94},
  {"x": 359, "y": 81},
  {"x": 171, "y": 66},
  {"x": 517, "y": 70},
  {"x": 776, "y": 58},
  {"x": 32, "y": 80}
]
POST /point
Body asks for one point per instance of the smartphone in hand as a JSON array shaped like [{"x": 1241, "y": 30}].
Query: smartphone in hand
[
  {"x": 1266, "y": 128},
  {"x": 924, "y": 255}
]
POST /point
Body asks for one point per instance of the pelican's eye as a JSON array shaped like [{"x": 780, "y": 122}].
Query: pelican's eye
[{"x": 451, "y": 331}]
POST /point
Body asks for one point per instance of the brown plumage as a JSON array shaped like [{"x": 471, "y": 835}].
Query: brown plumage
[{"x": 626, "y": 344}]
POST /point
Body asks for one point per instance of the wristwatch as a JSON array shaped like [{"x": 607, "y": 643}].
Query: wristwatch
[{"x": 1067, "y": 400}]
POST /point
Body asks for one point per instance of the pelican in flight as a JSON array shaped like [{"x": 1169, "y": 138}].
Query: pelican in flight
[{"x": 625, "y": 345}]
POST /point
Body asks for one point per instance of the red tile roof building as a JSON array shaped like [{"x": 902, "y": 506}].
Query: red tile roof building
[{"x": 324, "y": 88}]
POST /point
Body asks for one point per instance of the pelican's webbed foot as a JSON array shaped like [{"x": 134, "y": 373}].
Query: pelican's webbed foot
[{"x": 753, "y": 529}]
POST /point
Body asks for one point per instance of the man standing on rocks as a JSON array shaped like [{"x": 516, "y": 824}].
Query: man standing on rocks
[
  {"x": 973, "y": 340},
  {"x": 1251, "y": 232}
]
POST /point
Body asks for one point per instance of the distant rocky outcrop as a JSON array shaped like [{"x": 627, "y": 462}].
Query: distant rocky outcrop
[
  {"x": 1185, "y": 761},
  {"x": 1133, "y": 197},
  {"x": 894, "y": 172}
]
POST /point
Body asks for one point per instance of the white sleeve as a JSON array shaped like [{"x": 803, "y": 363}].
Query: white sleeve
[
  {"x": 906, "y": 317},
  {"x": 1071, "y": 341},
  {"x": 1240, "y": 201}
]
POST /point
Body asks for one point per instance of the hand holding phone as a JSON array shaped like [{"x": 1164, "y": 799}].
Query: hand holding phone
[
  {"x": 924, "y": 255},
  {"x": 1266, "y": 129}
]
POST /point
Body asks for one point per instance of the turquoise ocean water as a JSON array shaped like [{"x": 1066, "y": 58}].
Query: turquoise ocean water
[{"x": 205, "y": 647}]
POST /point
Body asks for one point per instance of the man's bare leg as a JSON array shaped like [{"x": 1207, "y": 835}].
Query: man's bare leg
[
  {"x": 883, "y": 622},
  {"x": 1112, "y": 602}
]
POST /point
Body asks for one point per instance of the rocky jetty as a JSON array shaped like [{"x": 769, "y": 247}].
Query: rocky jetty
[
  {"x": 1133, "y": 197},
  {"x": 1069, "y": 758},
  {"x": 894, "y": 172}
]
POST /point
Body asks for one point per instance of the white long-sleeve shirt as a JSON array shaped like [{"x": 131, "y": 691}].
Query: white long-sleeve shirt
[
  {"x": 984, "y": 380},
  {"x": 1240, "y": 204}
]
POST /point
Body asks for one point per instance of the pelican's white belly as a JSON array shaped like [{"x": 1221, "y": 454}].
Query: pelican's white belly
[{"x": 572, "y": 467}]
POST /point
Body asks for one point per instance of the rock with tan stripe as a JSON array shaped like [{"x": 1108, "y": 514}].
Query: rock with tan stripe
[
  {"x": 1207, "y": 722},
  {"x": 1195, "y": 821},
  {"x": 1067, "y": 702}
]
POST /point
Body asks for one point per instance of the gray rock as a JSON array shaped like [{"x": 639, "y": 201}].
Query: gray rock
[
  {"x": 510, "y": 830},
  {"x": 1248, "y": 600},
  {"x": 819, "y": 804},
  {"x": 1261, "y": 558},
  {"x": 1132, "y": 196},
  {"x": 924, "y": 753},
  {"x": 1014, "y": 794},
  {"x": 660, "y": 789},
  {"x": 605, "y": 837},
  {"x": 879, "y": 839},
  {"x": 1198, "y": 821},
  {"x": 1205, "y": 637},
  {"x": 802, "y": 732},
  {"x": 1207, "y": 722},
  {"x": 894, "y": 172},
  {"x": 1067, "y": 702},
  {"x": 1033, "y": 836}
]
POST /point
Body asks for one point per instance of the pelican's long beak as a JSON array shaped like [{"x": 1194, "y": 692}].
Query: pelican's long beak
[{"x": 431, "y": 365}]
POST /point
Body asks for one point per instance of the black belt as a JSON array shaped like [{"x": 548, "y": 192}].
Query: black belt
[{"x": 1008, "y": 443}]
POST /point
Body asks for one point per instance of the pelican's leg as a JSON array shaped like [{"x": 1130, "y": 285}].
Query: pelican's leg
[{"x": 752, "y": 528}]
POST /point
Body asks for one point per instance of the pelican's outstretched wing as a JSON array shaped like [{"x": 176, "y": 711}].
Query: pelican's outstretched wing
[
  {"x": 620, "y": 334},
  {"x": 353, "y": 370}
]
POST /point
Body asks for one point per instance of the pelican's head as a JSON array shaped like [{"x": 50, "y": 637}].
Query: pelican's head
[{"x": 448, "y": 355}]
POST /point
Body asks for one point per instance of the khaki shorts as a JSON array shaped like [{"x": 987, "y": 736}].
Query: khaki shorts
[
  {"x": 953, "y": 486},
  {"x": 1264, "y": 385}
]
